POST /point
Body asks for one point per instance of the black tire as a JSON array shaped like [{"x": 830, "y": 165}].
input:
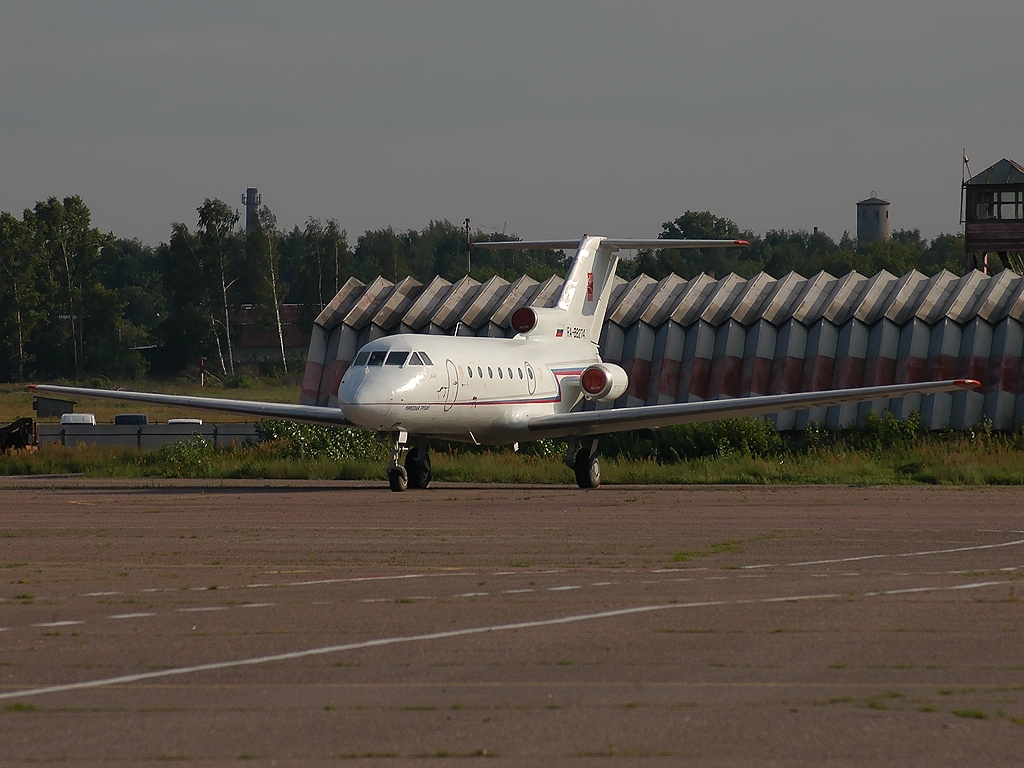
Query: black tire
[
  {"x": 419, "y": 471},
  {"x": 588, "y": 469},
  {"x": 398, "y": 479}
]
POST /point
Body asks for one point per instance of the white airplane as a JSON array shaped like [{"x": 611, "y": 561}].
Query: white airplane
[{"x": 498, "y": 391}]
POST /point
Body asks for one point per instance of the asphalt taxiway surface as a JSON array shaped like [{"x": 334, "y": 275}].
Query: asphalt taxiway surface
[{"x": 335, "y": 623}]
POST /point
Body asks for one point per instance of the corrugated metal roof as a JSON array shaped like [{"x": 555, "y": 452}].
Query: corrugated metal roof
[
  {"x": 451, "y": 307},
  {"x": 368, "y": 303},
  {"x": 487, "y": 299},
  {"x": 631, "y": 303},
  {"x": 910, "y": 326},
  {"x": 515, "y": 297},
  {"x": 395, "y": 305},
  {"x": 418, "y": 315},
  {"x": 339, "y": 306}
]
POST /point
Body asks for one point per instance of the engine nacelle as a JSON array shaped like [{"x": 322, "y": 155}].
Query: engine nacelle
[{"x": 603, "y": 381}]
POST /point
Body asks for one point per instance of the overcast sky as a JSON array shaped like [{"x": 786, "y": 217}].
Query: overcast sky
[{"x": 558, "y": 118}]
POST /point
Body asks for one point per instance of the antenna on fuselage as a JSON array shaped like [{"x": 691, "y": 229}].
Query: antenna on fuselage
[{"x": 469, "y": 249}]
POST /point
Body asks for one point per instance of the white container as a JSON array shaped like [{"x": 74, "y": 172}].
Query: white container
[
  {"x": 184, "y": 421},
  {"x": 78, "y": 418}
]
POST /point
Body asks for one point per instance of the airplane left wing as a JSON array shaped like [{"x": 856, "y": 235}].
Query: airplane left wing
[
  {"x": 309, "y": 414},
  {"x": 583, "y": 423}
]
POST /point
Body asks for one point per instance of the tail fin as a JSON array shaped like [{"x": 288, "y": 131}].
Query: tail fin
[{"x": 588, "y": 285}]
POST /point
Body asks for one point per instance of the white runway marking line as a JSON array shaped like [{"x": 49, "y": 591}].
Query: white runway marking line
[
  {"x": 100, "y": 594},
  {"x": 565, "y": 588},
  {"x": 384, "y": 641},
  {"x": 130, "y": 615},
  {"x": 58, "y": 623},
  {"x": 975, "y": 585},
  {"x": 355, "y": 579},
  {"x": 518, "y": 591},
  {"x": 256, "y": 605},
  {"x": 899, "y": 554},
  {"x": 200, "y": 610}
]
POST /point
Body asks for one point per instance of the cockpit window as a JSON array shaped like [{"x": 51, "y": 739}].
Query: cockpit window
[
  {"x": 426, "y": 360},
  {"x": 377, "y": 358},
  {"x": 397, "y": 358},
  {"x": 414, "y": 359},
  {"x": 361, "y": 358}
]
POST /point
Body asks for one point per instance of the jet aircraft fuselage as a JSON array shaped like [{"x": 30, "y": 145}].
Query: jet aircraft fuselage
[{"x": 481, "y": 390}]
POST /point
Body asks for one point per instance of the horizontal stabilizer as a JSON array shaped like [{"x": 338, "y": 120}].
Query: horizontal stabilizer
[{"x": 606, "y": 242}]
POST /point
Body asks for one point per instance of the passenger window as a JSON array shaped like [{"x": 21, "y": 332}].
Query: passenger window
[
  {"x": 377, "y": 358},
  {"x": 426, "y": 360},
  {"x": 510, "y": 373},
  {"x": 480, "y": 371},
  {"x": 397, "y": 358},
  {"x": 529, "y": 372},
  {"x": 414, "y": 359},
  {"x": 500, "y": 374},
  {"x": 470, "y": 369},
  {"x": 361, "y": 358},
  {"x": 520, "y": 373},
  {"x": 490, "y": 373}
]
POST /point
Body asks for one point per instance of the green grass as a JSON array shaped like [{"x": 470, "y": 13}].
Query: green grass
[
  {"x": 978, "y": 714},
  {"x": 957, "y": 461},
  {"x": 734, "y": 451}
]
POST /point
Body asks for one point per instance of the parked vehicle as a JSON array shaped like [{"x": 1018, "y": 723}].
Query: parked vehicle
[
  {"x": 78, "y": 419},
  {"x": 185, "y": 421},
  {"x": 132, "y": 419}
]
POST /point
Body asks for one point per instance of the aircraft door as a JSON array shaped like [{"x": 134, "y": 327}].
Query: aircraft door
[
  {"x": 531, "y": 378},
  {"x": 452, "y": 390}
]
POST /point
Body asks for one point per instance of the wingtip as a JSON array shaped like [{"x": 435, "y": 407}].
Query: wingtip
[
  {"x": 741, "y": 242},
  {"x": 967, "y": 383},
  {"x": 32, "y": 386}
]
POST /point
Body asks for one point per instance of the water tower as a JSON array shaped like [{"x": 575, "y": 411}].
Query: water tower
[{"x": 872, "y": 220}]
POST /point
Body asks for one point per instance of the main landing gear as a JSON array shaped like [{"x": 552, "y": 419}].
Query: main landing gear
[
  {"x": 416, "y": 472},
  {"x": 586, "y": 463}
]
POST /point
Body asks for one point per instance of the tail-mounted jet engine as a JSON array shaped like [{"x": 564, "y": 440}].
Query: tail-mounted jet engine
[{"x": 603, "y": 381}]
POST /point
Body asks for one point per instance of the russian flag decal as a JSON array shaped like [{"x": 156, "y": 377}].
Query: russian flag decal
[{"x": 558, "y": 333}]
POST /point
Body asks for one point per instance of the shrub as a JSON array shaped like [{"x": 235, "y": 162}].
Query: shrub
[
  {"x": 289, "y": 440},
  {"x": 188, "y": 458}
]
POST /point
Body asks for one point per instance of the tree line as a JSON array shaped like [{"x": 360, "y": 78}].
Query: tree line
[{"x": 78, "y": 303}]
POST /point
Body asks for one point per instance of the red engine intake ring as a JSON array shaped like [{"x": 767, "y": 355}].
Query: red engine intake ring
[
  {"x": 524, "y": 320},
  {"x": 593, "y": 381}
]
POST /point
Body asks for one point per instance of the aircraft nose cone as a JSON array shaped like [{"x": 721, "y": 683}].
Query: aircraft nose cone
[{"x": 365, "y": 403}]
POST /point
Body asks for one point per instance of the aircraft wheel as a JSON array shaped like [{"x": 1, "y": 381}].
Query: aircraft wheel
[
  {"x": 398, "y": 479},
  {"x": 588, "y": 469},
  {"x": 418, "y": 470}
]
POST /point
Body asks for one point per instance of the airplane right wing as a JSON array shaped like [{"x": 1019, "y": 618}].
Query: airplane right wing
[
  {"x": 308, "y": 414},
  {"x": 583, "y": 423}
]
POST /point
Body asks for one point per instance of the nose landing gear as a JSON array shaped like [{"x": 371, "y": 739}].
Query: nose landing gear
[{"x": 416, "y": 472}]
